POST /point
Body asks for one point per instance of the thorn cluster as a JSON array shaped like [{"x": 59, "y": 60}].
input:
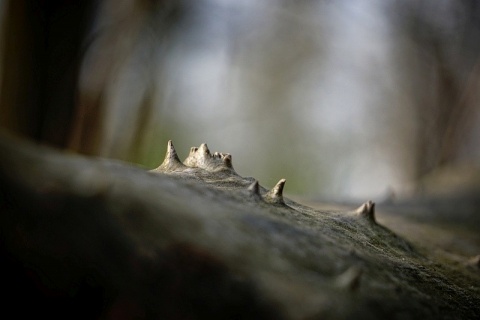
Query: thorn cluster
[{"x": 201, "y": 158}]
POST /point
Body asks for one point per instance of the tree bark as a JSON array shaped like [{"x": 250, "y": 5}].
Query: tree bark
[{"x": 93, "y": 238}]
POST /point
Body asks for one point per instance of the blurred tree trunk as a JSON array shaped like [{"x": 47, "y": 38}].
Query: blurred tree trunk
[
  {"x": 445, "y": 41},
  {"x": 42, "y": 52},
  {"x": 71, "y": 68}
]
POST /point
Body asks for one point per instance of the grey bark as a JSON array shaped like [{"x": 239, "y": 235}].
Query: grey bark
[{"x": 94, "y": 238}]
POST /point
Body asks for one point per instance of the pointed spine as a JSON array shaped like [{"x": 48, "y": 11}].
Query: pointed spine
[
  {"x": 227, "y": 160},
  {"x": 204, "y": 149},
  {"x": 171, "y": 161},
  {"x": 367, "y": 210},
  {"x": 254, "y": 189},
  {"x": 276, "y": 194}
]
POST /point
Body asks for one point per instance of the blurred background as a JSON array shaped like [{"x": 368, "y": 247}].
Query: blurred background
[{"x": 345, "y": 99}]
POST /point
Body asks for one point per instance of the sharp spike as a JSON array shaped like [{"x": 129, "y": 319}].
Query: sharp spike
[
  {"x": 227, "y": 159},
  {"x": 254, "y": 188},
  {"x": 367, "y": 210},
  {"x": 171, "y": 152},
  {"x": 204, "y": 148},
  {"x": 278, "y": 189},
  {"x": 276, "y": 194},
  {"x": 171, "y": 161}
]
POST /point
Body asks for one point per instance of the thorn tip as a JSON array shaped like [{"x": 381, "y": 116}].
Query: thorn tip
[
  {"x": 227, "y": 159},
  {"x": 367, "y": 210},
  {"x": 171, "y": 161},
  {"x": 278, "y": 189},
  {"x": 254, "y": 188},
  {"x": 276, "y": 194},
  {"x": 204, "y": 148}
]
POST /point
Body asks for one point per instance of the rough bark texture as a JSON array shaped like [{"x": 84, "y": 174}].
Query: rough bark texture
[{"x": 88, "y": 238}]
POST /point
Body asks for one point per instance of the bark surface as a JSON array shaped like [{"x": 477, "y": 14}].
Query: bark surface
[{"x": 86, "y": 238}]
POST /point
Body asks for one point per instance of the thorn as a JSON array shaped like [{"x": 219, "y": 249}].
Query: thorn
[
  {"x": 171, "y": 161},
  {"x": 171, "y": 149},
  {"x": 367, "y": 210},
  {"x": 227, "y": 160},
  {"x": 254, "y": 188},
  {"x": 278, "y": 189},
  {"x": 350, "y": 279},
  {"x": 276, "y": 194},
  {"x": 204, "y": 148}
]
